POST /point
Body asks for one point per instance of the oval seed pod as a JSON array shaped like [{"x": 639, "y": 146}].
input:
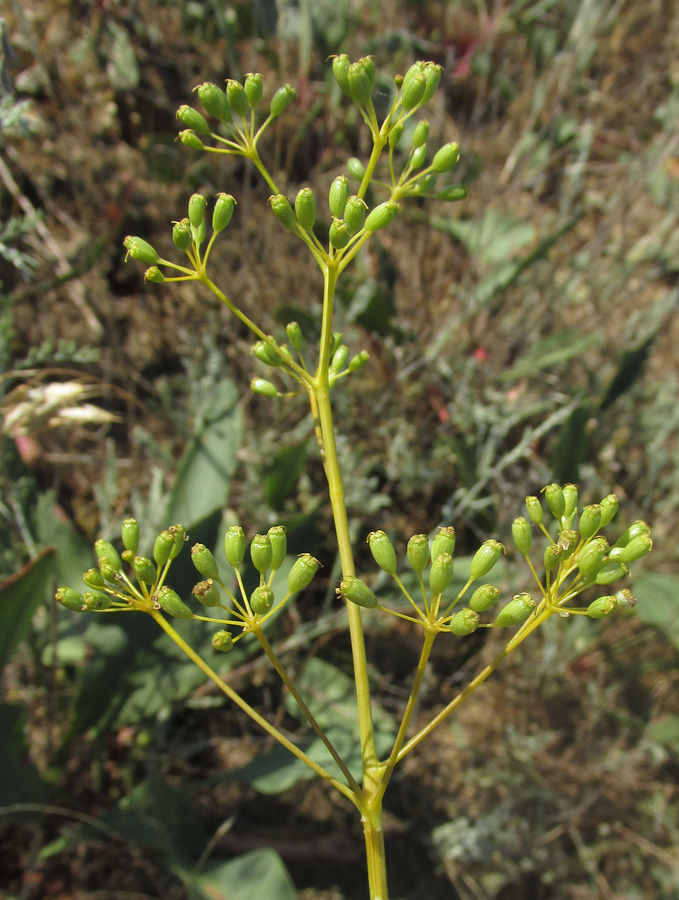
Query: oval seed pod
[
  {"x": 339, "y": 234},
  {"x": 567, "y": 542},
  {"x": 358, "y": 361},
  {"x": 611, "y": 571},
  {"x": 360, "y": 86},
  {"x": 418, "y": 157},
  {"x": 355, "y": 168},
  {"x": 421, "y": 133},
  {"x": 335, "y": 341},
  {"x": 207, "y": 593},
  {"x": 279, "y": 545},
  {"x": 303, "y": 570},
  {"x": 485, "y": 558},
  {"x": 570, "y": 496},
  {"x": 221, "y": 215},
  {"x": 484, "y": 597},
  {"x": 139, "y": 249},
  {"x": 295, "y": 336},
  {"x": 197, "y": 204},
  {"x": 237, "y": 97},
  {"x": 522, "y": 535},
  {"x": 383, "y": 551},
  {"x": 590, "y": 520},
  {"x": 263, "y": 387},
  {"x": 254, "y": 88},
  {"x": 382, "y": 215},
  {"x": 551, "y": 557},
  {"x": 636, "y": 529},
  {"x": 190, "y": 139},
  {"x": 162, "y": 548},
  {"x": 609, "y": 507},
  {"x": 340, "y": 359},
  {"x": 305, "y": 208},
  {"x": 516, "y": 611},
  {"x": 154, "y": 275},
  {"x": 432, "y": 72},
  {"x": 446, "y": 158},
  {"x": 395, "y": 136},
  {"x": 96, "y": 600},
  {"x": 179, "y": 536},
  {"x": 261, "y": 553},
  {"x": 234, "y": 546},
  {"x": 215, "y": 101},
  {"x": 555, "y": 500},
  {"x": 106, "y": 550},
  {"x": 94, "y": 580},
  {"x": 204, "y": 561},
  {"x": 171, "y": 603},
  {"x": 281, "y": 208},
  {"x": 636, "y": 549},
  {"x": 602, "y": 607},
  {"x": 444, "y": 542},
  {"x": 441, "y": 573},
  {"x": 464, "y": 622},
  {"x": 357, "y": 591},
  {"x": 355, "y": 212},
  {"x": 338, "y": 196},
  {"x": 591, "y": 557},
  {"x": 144, "y": 570},
  {"x": 265, "y": 353},
  {"x": 222, "y": 641},
  {"x": 418, "y": 552},
  {"x": 413, "y": 87},
  {"x": 106, "y": 569},
  {"x": 69, "y": 599},
  {"x": 261, "y": 600},
  {"x": 181, "y": 235},
  {"x": 192, "y": 119},
  {"x": 282, "y": 99},
  {"x": 534, "y": 508},
  {"x": 340, "y": 68}
]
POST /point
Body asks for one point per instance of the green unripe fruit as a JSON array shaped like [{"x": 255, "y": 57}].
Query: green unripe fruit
[
  {"x": 355, "y": 212},
  {"x": 551, "y": 557},
  {"x": 339, "y": 234},
  {"x": 464, "y": 622},
  {"x": 254, "y": 88},
  {"x": 303, "y": 570},
  {"x": 534, "y": 508},
  {"x": 140, "y": 249},
  {"x": 485, "y": 558},
  {"x": 179, "y": 537},
  {"x": 106, "y": 569},
  {"x": 261, "y": 553},
  {"x": 555, "y": 500},
  {"x": 204, "y": 561},
  {"x": 395, "y": 136},
  {"x": 602, "y": 607},
  {"x": 295, "y": 336},
  {"x": 238, "y": 101},
  {"x": 214, "y": 100},
  {"x": 590, "y": 521},
  {"x": 522, "y": 535},
  {"x": 206, "y": 593},
  {"x": 222, "y": 641},
  {"x": 266, "y": 354},
  {"x": 357, "y": 591},
  {"x": 356, "y": 168},
  {"x": 162, "y": 547},
  {"x": 94, "y": 580},
  {"x": 516, "y": 611},
  {"x": 263, "y": 387},
  {"x": 338, "y": 196},
  {"x": 193, "y": 119},
  {"x": 637, "y": 547},
  {"x": 69, "y": 599},
  {"x": 281, "y": 208},
  {"x": 453, "y": 192},
  {"x": 418, "y": 157},
  {"x": 279, "y": 545},
  {"x": 154, "y": 275},
  {"x": 568, "y": 541},
  {"x": 130, "y": 534},
  {"x": 305, "y": 208},
  {"x": 432, "y": 74},
  {"x": 360, "y": 85},
  {"x": 107, "y": 551},
  {"x": 591, "y": 557},
  {"x": 383, "y": 551},
  {"x": 635, "y": 530},
  {"x": 335, "y": 341},
  {"x": 221, "y": 215},
  {"x": 484, "y": 597},
  {"x": 340, "y": 68},
  {"x": 609, "y": 507},
  {"x": 234, "y": 546},
  {"x": 441, "y": 573},
  {"x": 418, "y": 552},
  {"x": 144, "y": 570},
  {"x": 426, "y": 183},
  {"x": 382, "y": 215},
  {"x": 127, "y": 556},
  {"x": 421, "y": 133},
  {"x": 190, "y": 139},
  {"x": 261, "y": 600},
  {"x": 358, "y": 361},
  {"x": 413, "y": 87},
  {"x": 444, "y": 542},
  {"x": 171, "y": 603},
  {"x": 446, "y": 158},
  {"x": 181, "y": 235},
  {"x": 611, "y": 571},
  {"x": 282, "y": 99},
  {"x": 96, "y": 600},
  {"x": 197, "y": 204},
  {"x": 570, "y": 496},
  {"x": 340, "y": 359}
]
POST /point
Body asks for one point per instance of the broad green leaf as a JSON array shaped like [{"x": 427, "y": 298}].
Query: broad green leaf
[
  {"x": 658, "y": 596},
  {"x": 553, "y": 351},
  {"x": 20, "y": 596},
  {"x": 19, "y": 779},
  {"x": 260, "y": 875},
  {"x": 630, "y": 368},
  {"x": 283, "y": 474}
]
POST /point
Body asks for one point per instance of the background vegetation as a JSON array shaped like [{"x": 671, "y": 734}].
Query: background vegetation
[{"x": 530, "y": 335}]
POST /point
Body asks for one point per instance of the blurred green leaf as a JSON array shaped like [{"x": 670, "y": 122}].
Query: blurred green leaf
[
  {"x": 555, "y": 349},
  {"x": 572, "y": 448},
  {"x": 630, "y": 369},
  {"x": 20, "y": 596},
  {"x": 260, "y": 875},
  {"x": 658, "y": 596},
  {"x": 283, "y": 474},
  {"x": 19, "y": 779}
]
